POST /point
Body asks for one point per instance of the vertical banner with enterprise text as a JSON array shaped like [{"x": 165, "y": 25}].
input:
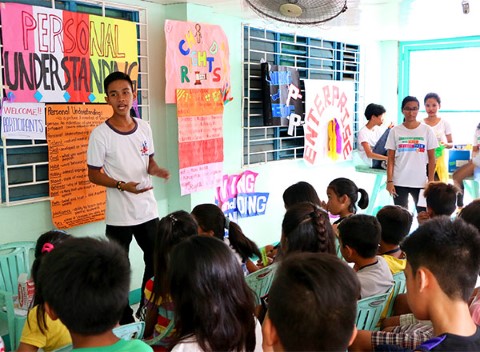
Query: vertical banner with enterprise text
[
  {"x": 74, "y": 199},
  {"x": 328, "y": 125},
  {"x": 60, "y": 56}
]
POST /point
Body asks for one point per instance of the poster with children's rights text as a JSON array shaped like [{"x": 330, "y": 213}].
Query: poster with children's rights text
[{"x": 197, "y": 57}]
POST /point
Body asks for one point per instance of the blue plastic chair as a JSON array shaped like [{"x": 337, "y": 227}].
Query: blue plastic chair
[
  {"x": 399, "y": 286},
  {"x": 130, "y": 331},
  {"x": 369, "y": 311},
  {"x": 260, "y": 281}
]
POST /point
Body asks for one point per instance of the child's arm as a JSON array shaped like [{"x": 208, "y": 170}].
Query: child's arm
[
  {"x": 370, "y": 154},
  {"x": 25, "y": 347},
  {"x": 155, "y": 170}
]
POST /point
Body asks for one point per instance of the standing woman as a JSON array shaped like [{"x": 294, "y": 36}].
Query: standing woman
[
  {"x": 442, "y": 131},
  {"x": 411, "y": 146}
]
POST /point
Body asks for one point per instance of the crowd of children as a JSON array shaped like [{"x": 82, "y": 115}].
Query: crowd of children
[{"x": 198, "y": 299}]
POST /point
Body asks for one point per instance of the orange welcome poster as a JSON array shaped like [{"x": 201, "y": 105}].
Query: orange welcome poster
[{"x": 74, "y": 199}]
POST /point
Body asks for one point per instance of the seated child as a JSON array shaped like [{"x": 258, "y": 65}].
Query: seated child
[
  {"x": 395, "y": 222},
  {"x": 342, "y": 196},
  {"x": 214, "y": 307},
  {"x": 300, "y": 192},
  {"x": 85, "y": 283},
  {"x": 312, "y": 305},
  {"x": 306, "y": 228},
  {"x": 359, "y": 238},
  {"x": 40, "y": 331},
  {"x": 441, "y": 200},
  {"x": 436, "y": 292},
  {"x": 172, "y": 229},
  {"x": 372, "y": 137},
  {"x": 212, "y": 222}
]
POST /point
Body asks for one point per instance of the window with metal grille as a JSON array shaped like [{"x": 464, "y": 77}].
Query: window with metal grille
[
  {"x": 24, "y": 163},
  {"x": 314, "y": 59}
]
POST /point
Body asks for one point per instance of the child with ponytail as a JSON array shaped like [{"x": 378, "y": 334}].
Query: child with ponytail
[
  {"x": 40, "y": 331},
  {"x": 212, "y": 222}
]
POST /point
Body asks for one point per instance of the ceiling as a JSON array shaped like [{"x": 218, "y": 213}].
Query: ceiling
[{"x": 378, "y": 19}]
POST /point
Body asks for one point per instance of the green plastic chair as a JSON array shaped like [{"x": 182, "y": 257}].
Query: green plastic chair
[
  {"x": 260, "y": 281},
  {"x": 369, "y": 311},
  {"x": 155, "y": 340},
  {"x": 15, "y": 258},
  {"x": 400, "y": 286},
  {"x": 130, "y": 331}
]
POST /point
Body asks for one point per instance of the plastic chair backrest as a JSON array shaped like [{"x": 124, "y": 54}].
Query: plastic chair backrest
[
  {"x": 399, "y": 286},
  {"x": 15, "y": 258},
  {"x": 261, "y": 280},
  {"x": 370, "y": 309},
  {"x": 130, "y": 331},
  {"x": 7, "y": 318},
  {"x": 166, "y": 332}
]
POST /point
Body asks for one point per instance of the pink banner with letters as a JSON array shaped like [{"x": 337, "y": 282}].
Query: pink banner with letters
[{"x": 197, "y": 57}]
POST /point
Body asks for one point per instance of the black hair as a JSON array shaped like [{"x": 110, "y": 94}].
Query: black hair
[
  {"x": 409, "y": 99},
  {"x": 211, "y": 218},
  {"x": 441, "y": 198},
  {"x": 395, "y": 222},
  {"x": 313, "y": 302},
  {"x": 307, "y": 228},
  {"x": 116, "y": 76},
  {"x": 86, "y": 282},
  {"x": 47, "y": 242},
  {"x": 344, "y": 186},
  {"x": 300, "y": 192},
  {"x": 211, "y": 298},
  {"x": 434, "y": 96},
  {"x": 362, "y": 233},
  {"x": 471, "y": 213},
  {"x": 374, "y": 110},
  {"x": 450, "y": 250},
  {"x": 172, "y": 229}
]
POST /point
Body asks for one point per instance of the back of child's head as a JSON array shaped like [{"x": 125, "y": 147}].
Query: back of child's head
[
  {"x": 374, "y": 110},
  {"x": 300, "y": 192},
  {"x": 85, "y": 281},
  {"x": 211, "y": 298},
  {"x": 362, "y": 233},
  {"x": 395, "y": 222},
  {"x": 172, "y": 229},
  {"x": 450, "y": 250},
  {"x": 312, "y": 303},
  {"x": 46, "y": 243},
  {"x": 210, "y": 217},
  {"x": 307, "y": 228},
  {"x": 441, "y": 198},
  {"x": 471, "y": 213},
  {"x": 343, "y": 186},
  {"x": 116, "y": 76}
]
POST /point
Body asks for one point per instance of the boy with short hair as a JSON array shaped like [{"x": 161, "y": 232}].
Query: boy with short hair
[
  {"x": 85, "y": 283},
  {"x": 359, "y": 237},
  {"x": 311, "y": 305},
  {"x": 443, "y": 262},
  {"x": 441, "y": 200},
  {"x": 120, "y": 157},
  {"x": 395, "y": 222}
]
